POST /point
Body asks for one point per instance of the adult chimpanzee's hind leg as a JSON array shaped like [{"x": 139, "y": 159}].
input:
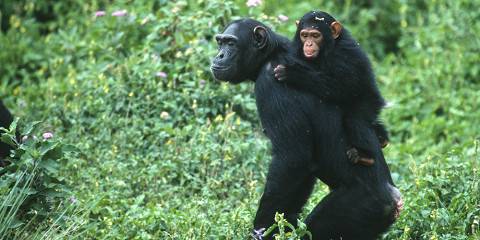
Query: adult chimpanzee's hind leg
[{"x": 360, "y": 212}]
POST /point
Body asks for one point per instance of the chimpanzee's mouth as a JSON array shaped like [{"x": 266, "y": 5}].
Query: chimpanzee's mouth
[
  {"x": 220, "y": 72},
  {"x": 310, "y": 54},
  {"x": 215, "y": 67}
]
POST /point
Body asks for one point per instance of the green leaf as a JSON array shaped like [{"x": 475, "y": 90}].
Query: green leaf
[
  {"x": 29, "y": 128},
  {"x": 6, "y": 138},
  {"x": 50, "y": 165},
  {"x": 48, "y": 146},
  {"x": 15, "y": 224}
]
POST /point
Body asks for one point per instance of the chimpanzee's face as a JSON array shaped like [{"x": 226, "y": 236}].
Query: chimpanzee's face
[
  {"x": 241, "y": 51},
  {"x": 312, "y": 41},
  {"x": 225, "y": 66}
]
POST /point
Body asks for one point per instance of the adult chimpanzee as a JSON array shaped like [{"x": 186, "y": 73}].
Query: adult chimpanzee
[
  {"x": 5, "y": 120},
  {"x": 342, "y": 75},
  {"x": 307, "y": 143}
]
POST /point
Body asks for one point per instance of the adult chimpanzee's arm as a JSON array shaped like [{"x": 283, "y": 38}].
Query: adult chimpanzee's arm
[
  {"x": 290, "y": 179},
  {"x": 289, "y": 182},
  {"x": 286, "y": 191},
  {"x": 288, "y": 185}
]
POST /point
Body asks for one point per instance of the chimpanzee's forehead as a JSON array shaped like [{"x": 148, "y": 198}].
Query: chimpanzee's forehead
[
  {"x": 313, "y": 22},
  {"x": 316, "y": 19},
  {"x": 232, "y": 30}
]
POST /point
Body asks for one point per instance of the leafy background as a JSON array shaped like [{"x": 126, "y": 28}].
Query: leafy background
[{"x": 166, "y": 152}]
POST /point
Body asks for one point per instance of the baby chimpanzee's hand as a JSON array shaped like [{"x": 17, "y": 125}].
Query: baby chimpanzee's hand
[{"x": 280, "y": 73}]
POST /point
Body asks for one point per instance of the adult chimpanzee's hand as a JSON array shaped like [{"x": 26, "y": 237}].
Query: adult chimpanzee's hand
[{"x": 280, "y": 73}]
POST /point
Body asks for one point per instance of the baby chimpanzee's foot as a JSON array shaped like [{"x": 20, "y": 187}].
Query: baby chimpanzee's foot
[
  {"x": 355, "y": 157},
  {"x": 366, "y": 161}
]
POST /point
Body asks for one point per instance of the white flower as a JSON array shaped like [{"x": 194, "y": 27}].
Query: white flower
[
  {"x": 253, "y": 3},
  {"x": 164, "y": 115},
  {"x": 119, "y": 13},
  {"x": 282, "y": 18}
]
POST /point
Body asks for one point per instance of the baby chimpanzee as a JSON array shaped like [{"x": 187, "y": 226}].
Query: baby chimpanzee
[{"x": 338, "y": 71}]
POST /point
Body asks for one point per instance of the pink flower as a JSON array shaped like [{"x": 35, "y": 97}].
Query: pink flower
[
  {"x": 282, "y": 18},
  {"x": 47, "y": 135},
  {"x": 119, "y": 13},
  {"x": 99, "y": 13},
  {"x": 161, "y": 74},
  {"x": 253, "y": 3}
]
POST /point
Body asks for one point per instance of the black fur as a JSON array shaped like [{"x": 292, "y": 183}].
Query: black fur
[
  {"x": 5, "y": 120},
  {"x": 341, "y": 74},
  {"x": 307, "y": 143}
]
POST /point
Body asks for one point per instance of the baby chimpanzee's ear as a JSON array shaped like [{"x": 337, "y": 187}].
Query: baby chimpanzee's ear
[{"x": 336, "y": 28}]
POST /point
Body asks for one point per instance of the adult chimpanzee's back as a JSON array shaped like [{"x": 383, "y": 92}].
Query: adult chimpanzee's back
[{"x": 308, "y": 142}]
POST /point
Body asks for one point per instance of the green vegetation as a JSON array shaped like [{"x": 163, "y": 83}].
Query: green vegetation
[{"x": 163, "y": 151}]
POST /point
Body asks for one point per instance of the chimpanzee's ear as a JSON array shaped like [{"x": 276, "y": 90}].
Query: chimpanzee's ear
[
  {"x": 261, "y": 36},
  {"x": 336, "y": 28}
]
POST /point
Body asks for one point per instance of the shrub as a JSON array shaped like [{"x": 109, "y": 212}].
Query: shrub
[{"x": 33, "y": 191}]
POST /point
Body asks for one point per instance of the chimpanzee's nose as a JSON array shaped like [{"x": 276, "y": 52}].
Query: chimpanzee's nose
[{"x": 221, "y": 55}]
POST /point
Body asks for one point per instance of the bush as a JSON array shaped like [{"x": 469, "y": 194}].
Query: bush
[{"x": 34, "y": 194}]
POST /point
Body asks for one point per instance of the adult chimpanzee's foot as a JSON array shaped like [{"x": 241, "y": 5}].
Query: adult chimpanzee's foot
[{"x": 397, "y": 197}]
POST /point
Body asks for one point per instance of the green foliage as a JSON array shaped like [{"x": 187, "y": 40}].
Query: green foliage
[
  {"x": 446, "y": 203},
  {"x": 169, "y": 153},
  {"x": 286, "y": 230},
  {"x": 31, "y": 183}
]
